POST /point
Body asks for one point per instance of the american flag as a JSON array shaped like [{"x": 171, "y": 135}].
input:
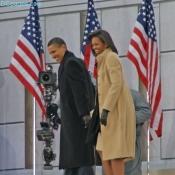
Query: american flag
[
  {"x": 28, "y": 58},
  {"x": 143, "y": 52},
  {"x": 92, "y": 24}
]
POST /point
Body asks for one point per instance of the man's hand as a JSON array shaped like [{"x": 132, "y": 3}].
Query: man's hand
[
  {"x": 104, "y": 116},
  {"x": 86, "y": 120}
]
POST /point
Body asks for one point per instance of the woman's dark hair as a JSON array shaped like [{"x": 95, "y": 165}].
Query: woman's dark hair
[
  {"x": 56, "y": 40},
  {"x": 105, "y": 37}
]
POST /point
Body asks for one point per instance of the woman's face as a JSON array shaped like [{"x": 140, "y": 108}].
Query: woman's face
[{"x": 97, "y": 45}]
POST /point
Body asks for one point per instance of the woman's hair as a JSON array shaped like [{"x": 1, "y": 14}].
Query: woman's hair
[
  {"x": 105, "y": 37},
  {"x": 57, "y": 41}
]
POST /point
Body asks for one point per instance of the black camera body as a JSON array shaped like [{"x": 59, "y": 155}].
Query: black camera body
[
  {"x": 45, "y": 134},
  {"x": 48, "y": 79},
  {"x": 53, "y": 115},
  {"x": 48, "y": 155}
]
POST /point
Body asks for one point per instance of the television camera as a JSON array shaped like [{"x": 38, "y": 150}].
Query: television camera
[{"x": 48, "y": 79}]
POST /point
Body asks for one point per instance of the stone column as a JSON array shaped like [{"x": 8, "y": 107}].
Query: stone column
[{"x": 28, "y": 130}]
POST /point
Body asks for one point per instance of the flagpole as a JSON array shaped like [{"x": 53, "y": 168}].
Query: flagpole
[
  {"x": 148, "y": 141},
  {"x": 148, "y": 150},
  {"x": 34, "y": 137}
]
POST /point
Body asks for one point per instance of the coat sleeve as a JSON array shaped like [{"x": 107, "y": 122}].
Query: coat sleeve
[
  {"x": 114, "y": 70},
  {"x": 77, "y": 81},
  {"x": 142, "y": 108}
]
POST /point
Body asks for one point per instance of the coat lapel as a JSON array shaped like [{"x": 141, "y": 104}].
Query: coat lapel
[
  {"x": 60, "y": 71},
  {"x": 61, "y": 68}
]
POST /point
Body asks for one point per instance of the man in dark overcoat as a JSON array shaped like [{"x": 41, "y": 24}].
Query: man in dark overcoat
[{"x": 76, "y": 101}]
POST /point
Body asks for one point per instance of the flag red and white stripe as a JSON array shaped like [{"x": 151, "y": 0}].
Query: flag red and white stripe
[
  {"x": 92, "y": 24},
  {"x": 143, "y": 52}
]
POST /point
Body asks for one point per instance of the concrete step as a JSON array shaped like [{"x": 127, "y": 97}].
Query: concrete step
[{"x": 55, "y": 171}]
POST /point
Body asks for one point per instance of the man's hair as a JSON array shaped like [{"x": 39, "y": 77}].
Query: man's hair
[{"x": 57, "y": 41}]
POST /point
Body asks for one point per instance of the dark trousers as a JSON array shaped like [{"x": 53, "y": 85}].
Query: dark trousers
[{"x": 80, "y": 171}]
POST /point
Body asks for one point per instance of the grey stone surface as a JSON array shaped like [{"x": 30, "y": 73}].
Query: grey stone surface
[
  {"x": 168, "y": 82},
  {"x": 66, "y": 26},
  {"x": 130, "y": 73},
  {"x": 11, "y": 98},
  {"x": 120, "y": 22},
  {"x": 8, "y": 38},
  {"x": 167, "y": 140},
  {"x": 167, "y": 24},
  {"x": 12, "y": 147}
]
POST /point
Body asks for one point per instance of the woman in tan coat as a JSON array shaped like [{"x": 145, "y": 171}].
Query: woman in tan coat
[{"x": 116, "y": 142}]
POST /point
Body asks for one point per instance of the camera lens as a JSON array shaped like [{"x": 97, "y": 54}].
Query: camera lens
[{"x": 45, "y": 77}]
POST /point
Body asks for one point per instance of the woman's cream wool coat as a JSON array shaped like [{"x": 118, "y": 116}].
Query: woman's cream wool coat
[{"x": 117, "y": 138}]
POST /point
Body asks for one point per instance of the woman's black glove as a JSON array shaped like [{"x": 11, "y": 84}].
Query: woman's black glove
[{"x": 104, "y": 116}]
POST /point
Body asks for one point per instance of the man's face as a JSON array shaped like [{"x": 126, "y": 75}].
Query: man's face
[{"x": 57, "y": 51}]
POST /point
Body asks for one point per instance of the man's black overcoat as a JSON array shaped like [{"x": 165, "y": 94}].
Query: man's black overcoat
[{"x": 74, "y": 102}]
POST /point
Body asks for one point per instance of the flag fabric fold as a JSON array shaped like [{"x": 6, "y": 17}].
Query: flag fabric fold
[
  {"x": 28, "y": 58},
  {"x": 143, "y": 52},
  {"x": 92, "y": 24}
]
